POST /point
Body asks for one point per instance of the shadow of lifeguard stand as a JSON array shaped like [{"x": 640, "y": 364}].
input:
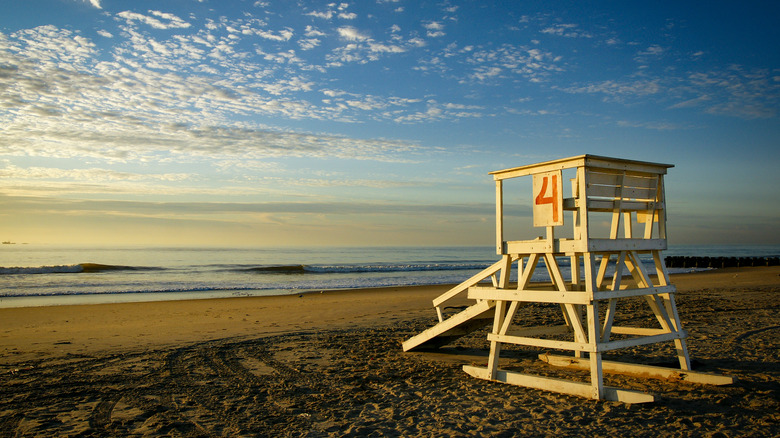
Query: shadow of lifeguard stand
[{"x": 618, "y": 215}]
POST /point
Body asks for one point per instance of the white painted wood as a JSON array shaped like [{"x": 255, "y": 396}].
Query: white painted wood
[
  {"x": 495, "y": 346},
  {"x": 558, "y": 385},
  {"x": 644, "y": 340},
  {"x": 608, "y": 205},
  {"x": 574, "y": 265},
  {"x": 539, "y": 330},
  {"x": 589, "y": 263},
  {"x": 617, "y": 209},
  {"x": 544, "y": 343},
  {"x": 506, "y": 271},
  {"x": 530, "y": 267},
  {"x": 641, "y": 331},
  {"x": 581, "y": 228},
  {"x": 566, "y": 163},
  {"x": 547, "y": 199},
  {"x": 625, "y": 293},
  {"x": 509, "y": 316},
  {"x": 499, "y": 217},
  {"x": 615, "y": 245},
  {"x": 555, "y": 272},
  {"x": 603, "y": 264},
  {"x": 452, "y": 325},
  {"x": 661, "y": 212},
  {"x": 660, "y": 312},
  {"x": 607, "y": 329},
  {"x": 528, "y": 296},
  {"x": 640, "y": 370},
  {"x": 594, "y": 161},
  {"x": 660, "y": 269},
  {"x": 485, "y": 273},
  {"x": 638, "y": 270},
  {"x": 530, "y": 246}
]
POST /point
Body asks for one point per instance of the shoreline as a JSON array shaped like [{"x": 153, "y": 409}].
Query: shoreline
[
  {"x": 71, "y": 328},
  {"x": 146, "y": 297},
  {"x": 330, "y": 364}
]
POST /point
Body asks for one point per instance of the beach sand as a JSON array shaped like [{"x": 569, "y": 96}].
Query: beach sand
[{"x": 331, "y": 364}]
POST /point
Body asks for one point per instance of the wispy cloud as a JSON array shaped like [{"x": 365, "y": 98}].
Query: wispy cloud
[
  {"x": 165, "y": 21},
  {"x": 334, "y": 10},
  {"x": 350, "y": 33},
  {"x": 566, "y": 30},
  {"x": 619, "y": 91},
  {"x": 94, "y": 3},
  {"x": 221, "y": 208},
  {"x": 435, "y": 29},
  {"x": 120, "y": 110},
  {"x": 734, "y": 92}
]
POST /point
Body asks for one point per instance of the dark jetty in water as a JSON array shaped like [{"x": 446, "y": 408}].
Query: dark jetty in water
[{"x": 719, "y": 262}]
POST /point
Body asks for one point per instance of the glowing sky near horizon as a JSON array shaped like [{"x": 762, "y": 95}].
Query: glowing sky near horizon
[{"x": 376, "y": 122}]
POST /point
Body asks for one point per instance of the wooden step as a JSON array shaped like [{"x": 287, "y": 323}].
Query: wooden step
[{"x": 467, "y": 321}]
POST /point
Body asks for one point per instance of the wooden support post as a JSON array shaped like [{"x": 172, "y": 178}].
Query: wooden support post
[
  {"x": 581, "y": 229},
  {"x": 574, "y": 265},
  {"x": 495, "y": 346},
  {"x": 594, "y": 338},
  {"x": 522, "y": 282},
  {"x": 602, "y": 270},
  {"x": 499, "y": 217},
  {"x": 617, "y": 212},
  {"x": 506, "y": 270}
]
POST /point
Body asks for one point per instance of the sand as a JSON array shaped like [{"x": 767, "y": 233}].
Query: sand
[{"x": 331, "y": 364}]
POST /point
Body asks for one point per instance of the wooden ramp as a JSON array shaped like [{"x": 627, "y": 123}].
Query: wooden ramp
[{"x": 470, "y": 319}]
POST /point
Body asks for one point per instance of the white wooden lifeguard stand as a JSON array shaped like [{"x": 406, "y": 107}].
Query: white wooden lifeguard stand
[{"x": 618, "y": 214}]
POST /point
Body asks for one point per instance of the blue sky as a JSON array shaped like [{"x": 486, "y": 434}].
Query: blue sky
[{"x": 376, "y": 122}]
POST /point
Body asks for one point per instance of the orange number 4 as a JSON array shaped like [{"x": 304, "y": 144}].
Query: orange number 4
[{"x": 552, "y": 199}]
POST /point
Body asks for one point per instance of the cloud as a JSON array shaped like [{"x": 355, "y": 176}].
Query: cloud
[
  {"x": 651, "y": 53},
  {"x": 351, "y": 34},
  {"x": 91, "y": 174},
  {"x": 508, "y": 61},
  {"x": 173, "y": 22},
  {"x": 122, "y": 110},
  {"x": 619, "y": 90},
  {"x": 735, "y": 91},
  {"x": 339, "y": 11},
  {"x": 566, "y": 30},
  {"x": 308, "y": 43},
  {"x": 311, "y": 31},
  {"x": 387, "y": 48},
  {"x": 435, "y": 29},
  {"x": 327, "y": 15},
  {"x": 656, "y": 126},
  {"x": 187, "y": 208},
  {"x": 282, "y": 35}
]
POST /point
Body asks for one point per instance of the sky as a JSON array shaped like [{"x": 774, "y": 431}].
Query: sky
[{"x": 268, "y": 123}]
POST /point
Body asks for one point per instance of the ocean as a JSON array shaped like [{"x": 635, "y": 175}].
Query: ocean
[{"x": 35, "y": 275}]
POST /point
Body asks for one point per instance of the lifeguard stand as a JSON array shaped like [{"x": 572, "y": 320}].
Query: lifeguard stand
[{"x": 618, "y": 214}]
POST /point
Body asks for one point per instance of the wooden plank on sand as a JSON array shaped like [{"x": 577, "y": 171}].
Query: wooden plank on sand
[
  {"x": 559, "y": 385},
  {"x": 639, "y": 370}
]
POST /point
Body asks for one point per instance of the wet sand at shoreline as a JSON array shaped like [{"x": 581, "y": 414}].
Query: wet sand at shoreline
[{"x": 331, "y": 364}]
